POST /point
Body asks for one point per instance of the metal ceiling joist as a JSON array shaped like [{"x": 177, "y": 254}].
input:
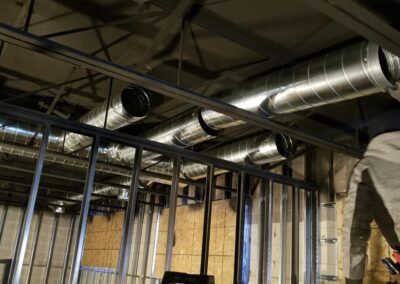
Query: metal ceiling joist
[
  {"x": 233, "y": 32},
  {"x": 168, "y": 30},
  {"x": 359, "y": 19},
  {"x": 129, "y": 75}
]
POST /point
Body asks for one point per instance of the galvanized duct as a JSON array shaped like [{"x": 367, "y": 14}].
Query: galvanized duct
[
  {"x": 257, "y": 150},
  {"x": 354, "y": 71},
  {"x": 262, "y": 149},
  {"x": 128, "y": 107},
  {"x": 252, "y": 151},
  {"x": 108, "y": 190},
  {"x": 357, "y": 70},
  {"x": 167, "y": 133},
  {"x": 131, "y": 105},
  {"x": 60, "y": 158}
]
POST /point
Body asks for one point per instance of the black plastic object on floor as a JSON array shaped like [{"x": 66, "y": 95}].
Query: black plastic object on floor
[{"x": 184, "y": 278}]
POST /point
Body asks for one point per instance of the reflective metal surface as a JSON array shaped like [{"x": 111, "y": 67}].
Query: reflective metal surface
[
  {"x": 353, "y": 71},
  {"x": 350, "y": 72},
  {"x": 128, "y": 107},
  {"x": 252, "y": 151}
]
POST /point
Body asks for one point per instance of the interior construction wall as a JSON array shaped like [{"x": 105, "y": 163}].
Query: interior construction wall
[
  {"x": 103, "y": 240},
  {"x": 188, "y": 240},
  {"x": 41, "y": 257}
]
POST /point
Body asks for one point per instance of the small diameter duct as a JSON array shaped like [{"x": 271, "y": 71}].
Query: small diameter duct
[
  {"x": 353, "y": 71},
  {"x": 254, "y": 151},
  {"x": 131, "y": 105},
  {"x": 259, "y": 150}
]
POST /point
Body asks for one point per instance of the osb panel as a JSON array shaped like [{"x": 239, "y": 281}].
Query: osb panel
[
  {"x": 102, "y": 241},
  {"x": 188, "y": 240}
]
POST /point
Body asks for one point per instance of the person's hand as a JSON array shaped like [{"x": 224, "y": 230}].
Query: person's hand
[{"x": 395, "y": 92}]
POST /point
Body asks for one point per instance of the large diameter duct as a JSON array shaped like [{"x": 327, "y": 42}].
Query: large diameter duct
[
  {"x": 131, "y": 105},
  {"x": 360, "y": 70},
  {"x": 353, "y": 71}
]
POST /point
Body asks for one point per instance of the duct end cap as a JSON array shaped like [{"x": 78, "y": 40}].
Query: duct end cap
[
  {"x": 287, "y": 146},
  {"x": 136, "y": 101}
]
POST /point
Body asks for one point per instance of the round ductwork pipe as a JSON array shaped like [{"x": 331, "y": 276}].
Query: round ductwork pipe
[
  {"x": 131, "y": 105},
  {"x": 358, "y": 70},
  {"x": 136, "y": 101}
]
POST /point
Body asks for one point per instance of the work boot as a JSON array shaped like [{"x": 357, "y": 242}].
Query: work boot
[{"x": 351, "y": 281}]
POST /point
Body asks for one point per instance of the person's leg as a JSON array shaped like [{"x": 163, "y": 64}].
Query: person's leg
[
  {"x": 386, "y": 179},
  {"x": 358, "y": 215}
]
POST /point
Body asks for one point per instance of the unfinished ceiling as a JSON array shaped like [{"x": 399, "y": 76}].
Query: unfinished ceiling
[{"x": 218, "y": 46}]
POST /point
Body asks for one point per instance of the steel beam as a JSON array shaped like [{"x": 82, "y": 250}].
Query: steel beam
[
  {"x": 126, "y": 241},
  {"x": 239, "y": 232},
  {"x": 231, "y": 31},
  {"x": 147, "y": 239},
  {"x": 19, "y": 237},
  {"x": 207, "y": 219},
  {"x": 153, "y": 146},
  {"x": 283, "y": 234},
  {"x": 261, "y": 232},
  {"x": 22, "y": 242},
  {"x": 78, "y": 249},
  {"x": 354, "y": 16},
  {"x": 153, "y": 258},
  {"x": 265, "y": 233},
  {"x": 51, "y": 248},
  {"x": 67, "y": 250},
  {"x": 308, "y": 238},
  {"x": 168, "y": 30},
  {"x": 3, "y": 221},
  {"x": 138, "y": 237},
  {"x": 67, "y": 54},
  {"x": 269, "y": 214},
  {"x": 295, "y": 235},
  {"x": 316, "y": 237},
  {"x": 172, "y": 212},
  {"x": 34, "y": 247}
]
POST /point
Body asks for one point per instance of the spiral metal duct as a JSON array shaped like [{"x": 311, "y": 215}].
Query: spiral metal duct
[
  {"x": 257, "y": 150},
  {"x": 357, "y": 70},
  {"x": 168, "y": 133},
  {"x": 252, "y": 151},
  {"x": 131, "y": 105},
  {"x": 107, "y": 190}
]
